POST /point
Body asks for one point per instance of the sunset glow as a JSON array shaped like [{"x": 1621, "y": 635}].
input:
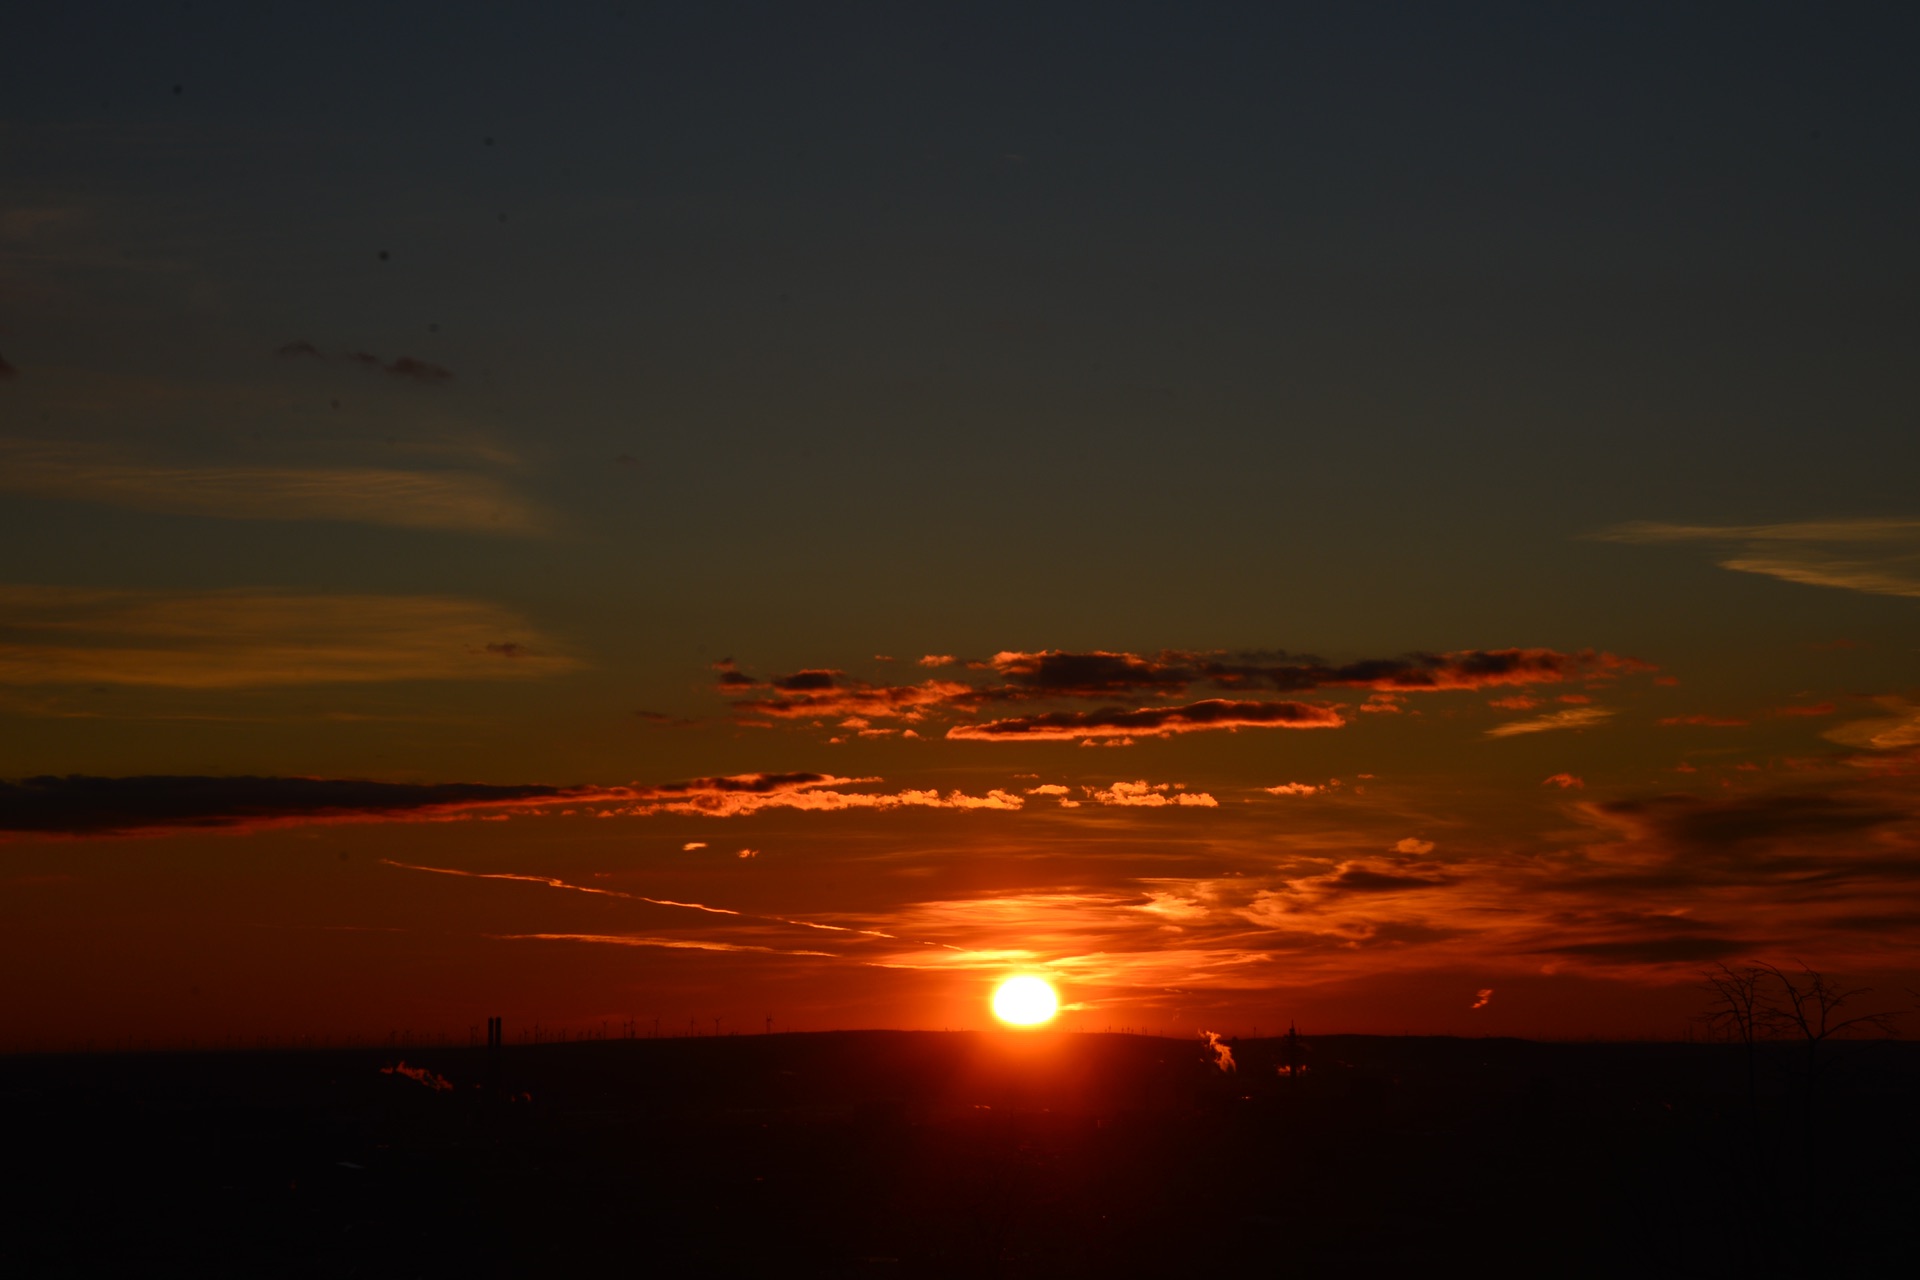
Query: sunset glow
[
  {"x": 1025, "y": 1002},
  {"x": 1246, "y": 520}
]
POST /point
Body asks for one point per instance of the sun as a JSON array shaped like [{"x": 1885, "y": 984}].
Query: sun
[{"x": 1025, "y": 1002}]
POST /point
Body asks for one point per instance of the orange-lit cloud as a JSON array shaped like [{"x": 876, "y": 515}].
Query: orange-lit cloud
[
  {"x": 1573, "y": 718},
  {"x": 822, "y": 694},
  {"x": 79, "y": 805},
  {"x": 1481, "y": 998},
  {"x": 1294, "y": 789},
  {"x": 1151, "y": 722},
  {"x": 833, "y": 698},
  {"x": 1565, "y": 781},
  {"x": 1150, "y": 795}
]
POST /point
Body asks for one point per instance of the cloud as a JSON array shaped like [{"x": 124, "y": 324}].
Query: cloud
[
  {"x": 746, "y": 793},
  {"x": 1574, "y": 718},
  {"x": 1680, "y": 948},
  {"x": 461, "y": 501},
  {"x": 1872, "y": 555},
  {"x": 1294, "y": 789},
  {"x": 252, "y": 639},
  {"x": 807, "y": 681},
  {"x": 1724, "y": 825},
  {"x": 1565, "y": 781},
  {"x": 81, "y": 805},
  {"x": 1100, "y": 673},
  {"x": 1355, "y": 877},
  {"x": 837, "y": 699},
  {"x": 691, "y": 845},
  {"x": 1481, "y": 998},
  {"x": 1050, "y": 674},
  {"x": 1143, "y": 794},
  {"x": 1054, "y": 672},
  {"x": 1413, "y": 844},
  {"x": 1893, "y": 732},
  {"x": 1151, "y": 722},
  {"x": 399, "y": 366}
]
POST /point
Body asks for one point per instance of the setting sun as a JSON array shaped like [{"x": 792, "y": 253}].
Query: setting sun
[{"x": 1025, "y": 1002}]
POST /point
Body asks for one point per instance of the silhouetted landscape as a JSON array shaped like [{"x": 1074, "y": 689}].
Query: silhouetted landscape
[{"x": 965, "y": 1154}]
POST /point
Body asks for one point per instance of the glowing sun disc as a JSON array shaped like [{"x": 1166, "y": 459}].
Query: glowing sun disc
[{"x": 1025, "y": 1002}]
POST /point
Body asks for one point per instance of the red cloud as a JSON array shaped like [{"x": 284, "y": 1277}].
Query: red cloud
[
  {"x": 807, "y": 701},
  {"x": 1151, "y": 722}
]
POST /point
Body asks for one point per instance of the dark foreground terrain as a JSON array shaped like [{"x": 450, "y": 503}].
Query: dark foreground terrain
[{"x": 877, "y": 1154}]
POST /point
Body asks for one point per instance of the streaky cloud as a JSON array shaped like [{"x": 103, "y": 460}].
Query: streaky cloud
[
  {"x": 457, "y": 501},
  {"x": 1881, "y": 554},
  {"x": 1572, "y": 718},
  {"x": 247, "y": 638}
]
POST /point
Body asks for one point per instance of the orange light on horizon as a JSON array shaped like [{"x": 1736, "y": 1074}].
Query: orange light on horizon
[{"x": 1025, "y": 1002}]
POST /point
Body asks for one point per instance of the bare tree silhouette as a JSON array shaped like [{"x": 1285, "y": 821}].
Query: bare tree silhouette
[
  {"x": 1808, "y": 1008},
  {"x": 1739, "y": 1011}
]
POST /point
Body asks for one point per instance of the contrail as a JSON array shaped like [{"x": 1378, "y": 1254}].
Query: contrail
[{"x": 553, "y": 882}]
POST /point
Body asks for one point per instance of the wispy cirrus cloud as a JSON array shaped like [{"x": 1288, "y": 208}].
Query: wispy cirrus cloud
[
  {"x": 258, "y": 638},
  {"x": 1572, "y": 718},
  {"x": 1879, "y": 556},
  {"x": 460, "y": 501}
]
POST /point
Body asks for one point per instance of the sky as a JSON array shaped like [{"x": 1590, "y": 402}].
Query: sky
[{"x": 1398, "y": 518}]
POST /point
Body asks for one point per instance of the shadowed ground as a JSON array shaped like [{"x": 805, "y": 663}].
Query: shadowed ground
[{"x": 879, "y": 1153}]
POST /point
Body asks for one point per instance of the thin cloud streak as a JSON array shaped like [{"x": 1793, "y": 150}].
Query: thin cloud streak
[
  {"x": 459, "y": 501},
  {"x": 1884, "y": 556},
  {"x": 554, "y": 882},
  {"x": 241, "y": 639},
  {"x": 1573, "y": 718},
  {"x": 643, "y": 940}
]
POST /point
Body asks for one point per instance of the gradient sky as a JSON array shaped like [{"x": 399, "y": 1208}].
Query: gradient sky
[{"x": 645, "y": 511}]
